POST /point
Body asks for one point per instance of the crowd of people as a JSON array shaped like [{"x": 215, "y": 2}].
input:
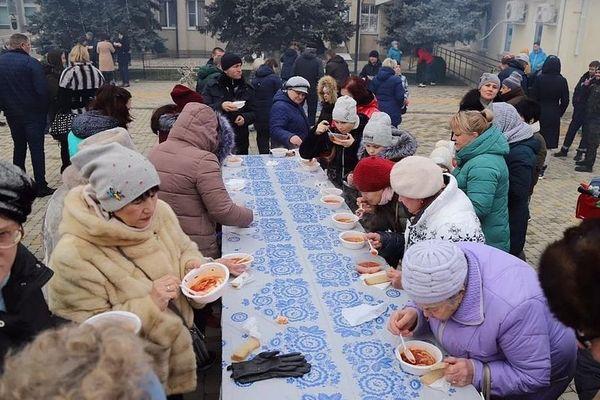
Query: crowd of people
[{"x": 124, "y": 229}]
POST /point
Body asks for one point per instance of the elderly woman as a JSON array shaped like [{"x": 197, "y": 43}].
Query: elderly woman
[
  {"x": 487, "y": 310},
  {"x": 23, "y": 310},
  {"x": 481, "y": 172},
  {"x": 123, "y": 249},
  {"x": 436, "y": 209},
  {"x": 289, "y": 123},
  {"x": 336, "y": 143},
  {"x": 327, "y": 91},
  {"x": 389, "y": 90},
  {"x": 189, "y": 165}
]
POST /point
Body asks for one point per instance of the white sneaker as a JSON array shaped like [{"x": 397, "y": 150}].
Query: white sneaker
[
  {"x": 432, "y": 83},
  {"x": 422, "y": 85}
]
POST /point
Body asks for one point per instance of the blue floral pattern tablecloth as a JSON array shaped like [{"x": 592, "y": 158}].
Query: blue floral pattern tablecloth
[{"x": 302, "y": 272}]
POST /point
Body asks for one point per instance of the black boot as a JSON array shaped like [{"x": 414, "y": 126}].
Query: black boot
[
  {"x": 584, "y": 168},
  {"x": 587, "y": 165},
  {"x": 579, "y": 155},
  {"x": 562, "y": 153}
]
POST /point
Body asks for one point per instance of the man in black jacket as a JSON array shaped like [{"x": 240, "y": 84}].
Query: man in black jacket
[
  {"x": 24, "y": 100},
  {"x": 591, "y": 126},
  {"x": 371, "y": 69},
  {"x": 23, "y": 310},
  {"x": 580, "y": 96},
  {"x": 310, "y": 68},
  {"x": 337, "y": 67},
  {"x": 224, "y": 95}
]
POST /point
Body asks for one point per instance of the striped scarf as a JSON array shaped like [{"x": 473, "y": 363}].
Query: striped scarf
[{"x": 81, "y": 76}]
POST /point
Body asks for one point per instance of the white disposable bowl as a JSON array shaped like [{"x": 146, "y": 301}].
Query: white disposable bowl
[
  {"x": 250, "y": 257},
  {"x": 279, "y": 152},
  {"x": 239, "y": 104},
  {"x": 339, "y": 201},
  {"x": 309, "y": 165},
  {"x": 211, "y": 268},
  {"x": 333, "y": 191},
  {"x": 234, "y": 161},
  {"x": 344, "y": 225},
  {"x": 125, "y": 319},
  {"x": 351, "y": 245},
  {"x": 418, "y": 344}
]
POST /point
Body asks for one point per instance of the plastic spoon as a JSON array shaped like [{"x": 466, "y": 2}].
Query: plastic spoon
[
  {"x": 373, "y": 250},
  {"x": 409, "y": 355}
]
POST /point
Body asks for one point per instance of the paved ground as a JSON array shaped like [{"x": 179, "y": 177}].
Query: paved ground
[{"x": 552, "y": 205}]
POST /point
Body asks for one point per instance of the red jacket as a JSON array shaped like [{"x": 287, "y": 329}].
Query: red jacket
[{"x": 424, "y": 56}]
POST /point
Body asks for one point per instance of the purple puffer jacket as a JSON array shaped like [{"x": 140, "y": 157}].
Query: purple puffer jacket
[{"x": 504, "y": 321}]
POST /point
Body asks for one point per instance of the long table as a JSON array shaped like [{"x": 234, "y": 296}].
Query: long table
[{"x": 302, "y": 272}]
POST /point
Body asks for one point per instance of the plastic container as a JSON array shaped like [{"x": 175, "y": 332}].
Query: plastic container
[
  {"x": 279, "y": 152},
  {"x": 352, "y": 245},
  {"x": 344, "y": 225},
  {"x": 234, "y": 161},
  {"x": 125, "y": 319},
  {"x": 310, "y": 165},
  {"x": 194, "y": 275},
  {"x": 239, "y": 104},
  {"x": 420, "y": 345},
  {"x": 331, "y": 191},
  {"x": 332, "y": 202},
  {"x": 240, "y": 256}
]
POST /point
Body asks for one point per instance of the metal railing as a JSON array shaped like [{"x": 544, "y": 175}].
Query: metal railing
[{"x": 464, "y": 65}]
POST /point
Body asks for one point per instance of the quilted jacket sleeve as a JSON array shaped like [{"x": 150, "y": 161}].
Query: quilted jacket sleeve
[
  {"x": 279, "y": 122},
  {"x": 481, "y": 188},
  {"x": 220, "y": 207},
  {"x": 523, "y": 338}
]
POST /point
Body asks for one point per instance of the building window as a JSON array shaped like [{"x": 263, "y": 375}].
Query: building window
[
  {"x": 369, "y": 21},
  {"x": 539, "y": 28},
  {"x": 28, "y": 10},
  {"x": 508, "y": 38},
  {"x": 168, "y": 14},
  {"x": 4, "y": 16},
  {"x": 195, "y": 13}
]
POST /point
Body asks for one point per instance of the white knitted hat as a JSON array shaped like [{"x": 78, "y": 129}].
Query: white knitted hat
[
  {"x": 416, "y": 177},
  {"x": 378, "y": 130},
  {"x": 345, "y": 110},
  {"x": 433, "y": 271}
]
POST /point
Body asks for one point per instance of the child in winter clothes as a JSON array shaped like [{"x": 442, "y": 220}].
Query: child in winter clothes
[
  {"x": 382, "y": 139},
  {"x": 379, "y": 206},
  {"x": 335, "y": 143}
]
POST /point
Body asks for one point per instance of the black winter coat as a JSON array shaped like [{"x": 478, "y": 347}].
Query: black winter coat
[
  {"x": 266, "y": 83},
  {"x": 337, "y": 68},
  {"x": 338, "y": 161},
  {"x": 287, "y": 63},
  {"x": 326, "y": 112},
  {"x": 521, "y": 161},
  {"x": 310, "y": 68},
  {"x": 224, "y": 89},
  {"x": 26, "y": 312},
  {"x": 23, "y": 86},
  {"x": 370, "y": 70},
  {"x": 581, "y": 92},
  {"x": 551, "y": 90}
]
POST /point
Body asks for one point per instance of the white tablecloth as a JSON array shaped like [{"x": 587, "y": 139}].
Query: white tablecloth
[{"x": 303, "y": 273}]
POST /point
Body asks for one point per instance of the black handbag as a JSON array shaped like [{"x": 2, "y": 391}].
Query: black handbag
[
  {"x": 204, "y": 358},
  {"x": 61, "y": 126}
]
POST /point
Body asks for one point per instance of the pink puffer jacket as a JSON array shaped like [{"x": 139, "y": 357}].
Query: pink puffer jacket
[{"x": 190, "y": 177}]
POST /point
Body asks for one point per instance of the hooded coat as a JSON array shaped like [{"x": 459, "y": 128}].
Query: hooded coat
[
  {"x": 389, "y": 90},
  {"x": 337, "y": 68},
  {"x": 482, "y": 174},
  {"x": 308, "y": 66},
  {"x": 86, "y": 125},
  {"x": 406, "y": 145},
  {"x": 189, "y": 167},
  {"x": 551, "y": 90},
  {"x": 370, "y": 70},
  {"x": 102, "y": 265},
  {"x": 206, "y": 73},
  {"x": 504, "y": 321},
  {"x": 287, "y": 119},
  {"x": 514, "y": 66},
  {"x": 266, "y": 83},
  {"x": 287, "y": 62}
]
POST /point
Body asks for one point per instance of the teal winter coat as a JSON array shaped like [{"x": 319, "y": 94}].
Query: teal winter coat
[{"x": 483, "y": 175}]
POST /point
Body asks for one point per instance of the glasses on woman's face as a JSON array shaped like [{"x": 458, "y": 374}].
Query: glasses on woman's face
[{"x": 10, "y": 237}]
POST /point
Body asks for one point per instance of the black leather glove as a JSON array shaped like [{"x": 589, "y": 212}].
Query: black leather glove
[{"x": 269, "y": 365}]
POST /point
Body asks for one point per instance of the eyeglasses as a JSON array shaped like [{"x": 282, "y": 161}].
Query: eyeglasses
[{"x": 10, "y": 238}]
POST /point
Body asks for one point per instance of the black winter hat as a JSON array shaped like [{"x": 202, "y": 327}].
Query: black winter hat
[
  {"x": 17, "y": 192},
  {"x": 229, "y": 60},
  {"x": 374, "y": 53}
]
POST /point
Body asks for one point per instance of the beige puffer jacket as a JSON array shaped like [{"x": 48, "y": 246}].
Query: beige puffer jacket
[{"x": 191, "y": 181}]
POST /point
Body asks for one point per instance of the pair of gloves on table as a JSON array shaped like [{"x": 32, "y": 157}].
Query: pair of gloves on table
[{"x": 269, "y": 365}]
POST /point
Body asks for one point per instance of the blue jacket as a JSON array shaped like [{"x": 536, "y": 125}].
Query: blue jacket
[
  {"x": 266, "y": 84},
  {"x": 395, "y": 54},
  {"x": 389, "y": 90},
  {"x": 287, "y": 119},
  {"x": 536, "y": 60},
  {"x": 23, "y": 85}
]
